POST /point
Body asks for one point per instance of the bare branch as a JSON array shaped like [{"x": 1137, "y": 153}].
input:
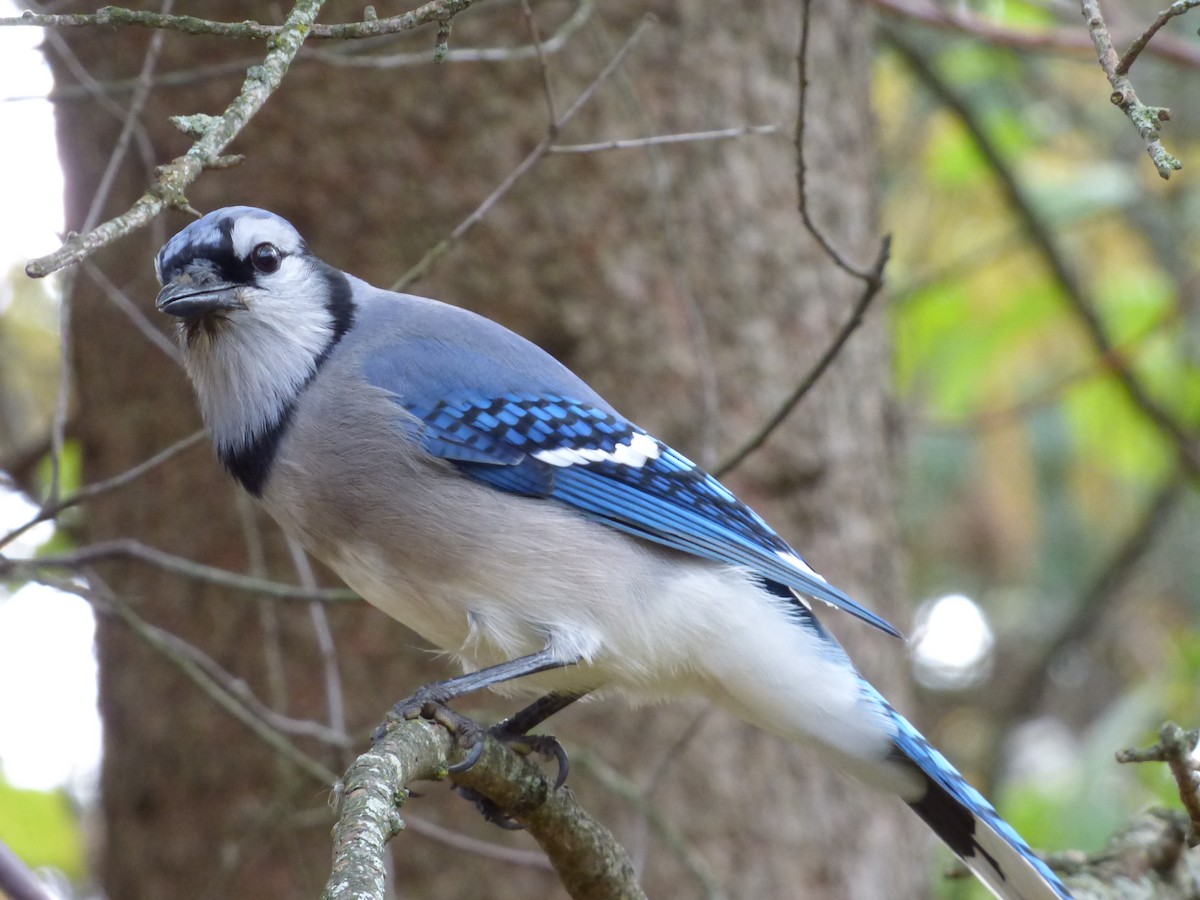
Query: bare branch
[
  {"x": 591, "y": 865},
  {"x": 1178, "y": 8},
  {"x": 17, "y": 881},
  {"x": 958, "y": 18},
  {"x": 87, "y": 492},
  {"x": 1177, "y": 748},
  {"x": 114, "y": 16},
  {"x": 874, "y": 279},
  {"x": 661, "y": 139},
  {"x": 173, "y": 179},
  {"x": 552, "y": 45},
  {"x": 1078, "y": 298},
  {"x": 534, "y": 156},
  {"x": 131, "y": 549},
  {"x": 1145, "y": 118},
  {"x": 870, "y": 276},
  {"x": 104, "y": 601}
]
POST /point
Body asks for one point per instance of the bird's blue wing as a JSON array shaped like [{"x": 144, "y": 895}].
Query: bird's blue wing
[{"x": 545, "y": 445}]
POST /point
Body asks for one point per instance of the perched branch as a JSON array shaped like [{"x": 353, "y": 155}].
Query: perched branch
[
  {"x": 173, "y": 179},
  {"x": 591, "y": 865},
  {"x": 1178, "y": 749},
  {"x": 367, "y": 800},
  {"x": 1145, "y": 118}
]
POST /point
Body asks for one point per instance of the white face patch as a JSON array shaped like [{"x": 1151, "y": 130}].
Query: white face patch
[
  {"x": 640, "y": 449},
  {"x": 249, "y": 231}
]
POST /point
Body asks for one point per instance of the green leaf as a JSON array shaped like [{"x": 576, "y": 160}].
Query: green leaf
[{"x": 42, "y": 829}]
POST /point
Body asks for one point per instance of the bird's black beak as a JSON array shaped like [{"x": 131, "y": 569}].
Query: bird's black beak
[{"x": 188, "y": 298}]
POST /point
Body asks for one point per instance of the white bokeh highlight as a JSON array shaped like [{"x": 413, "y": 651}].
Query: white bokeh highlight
[{"x": 952, "y": 644}]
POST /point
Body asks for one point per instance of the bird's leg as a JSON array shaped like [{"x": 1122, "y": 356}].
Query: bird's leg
[
  {"x": 514, "y": 732},
  {"x": 430, "y": 701}
]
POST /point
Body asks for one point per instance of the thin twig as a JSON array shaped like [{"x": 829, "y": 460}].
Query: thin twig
[
  {"x": 1145, "y": 119},
  {"x": 131, "y": 123},
  {"x": 168, "y": 645},
  {"x": 534, "y": 156},
  {"x": 957, "y": 17},
  {"x": 335, "y": 696},
  {"x": 872, "y": 278},
  {"x": 132, "y": 312},
  {"x": 127, "y": 548},
  {"x": 661, "y": 139},
  {"x": 1078, "y": 299},
  {"x": 533, "y": 859},
  {"x": 551, "y": 45},
  {"x": 802, "y": 168},
  {"x": 1177, "y": 748},
  {"x": 874, "y": 282},
  {"x": 173, "y": 179},
  {"x": 114, "y": 16},
  {"x": 268, "y": 610},
  {"x": 536, "y": 39},
  {"x": 87, "y": 492},
  {"x": 238, "y": 690},
  {"x": 1178, "y": 8}
]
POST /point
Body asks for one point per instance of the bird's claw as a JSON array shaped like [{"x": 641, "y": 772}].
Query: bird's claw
[
  {"x": 545, "y": 745},
  {"x": 429, "y": 703}
]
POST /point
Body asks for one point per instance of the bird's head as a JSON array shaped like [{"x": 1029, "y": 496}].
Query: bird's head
[
  {"x": 258, "y": 313},
  {"x": 230, "y": 260}
]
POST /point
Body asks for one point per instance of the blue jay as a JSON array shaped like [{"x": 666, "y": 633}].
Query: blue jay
[{"x": 469, "y": 485}]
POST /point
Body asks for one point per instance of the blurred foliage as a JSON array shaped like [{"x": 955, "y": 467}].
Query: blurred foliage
[
  {"x": 43, "y": 829},
  {"x": 1028, "y": 463},
  {"x": 29, "y": 359}
]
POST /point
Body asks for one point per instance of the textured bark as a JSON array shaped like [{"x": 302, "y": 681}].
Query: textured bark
[{"x": 609, "y": 261}]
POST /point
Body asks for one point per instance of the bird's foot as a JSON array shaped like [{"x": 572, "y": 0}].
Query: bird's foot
[
  {"x": 544, "y": 745},
  {"x": 429, "y": 702}
]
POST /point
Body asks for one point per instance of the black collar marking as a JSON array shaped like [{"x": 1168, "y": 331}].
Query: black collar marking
[{"x": 252, "y": 462}]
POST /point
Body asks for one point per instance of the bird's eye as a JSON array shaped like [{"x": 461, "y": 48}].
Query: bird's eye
[{"x": 266, "y": 258}]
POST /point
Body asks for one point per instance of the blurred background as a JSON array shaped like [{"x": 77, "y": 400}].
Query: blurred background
[{"x": 1002, "y": 460}]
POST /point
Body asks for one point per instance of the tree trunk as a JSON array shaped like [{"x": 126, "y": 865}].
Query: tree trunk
[{"x": 677, "y": 280}]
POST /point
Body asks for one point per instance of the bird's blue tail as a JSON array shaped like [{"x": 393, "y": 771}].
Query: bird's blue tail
[{"x": 970, "y": 826}]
